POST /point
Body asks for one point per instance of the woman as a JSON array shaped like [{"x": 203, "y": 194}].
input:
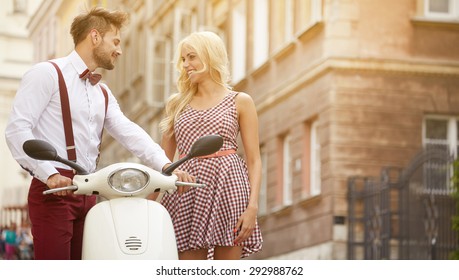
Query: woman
[{"x": 220, "y": 220}]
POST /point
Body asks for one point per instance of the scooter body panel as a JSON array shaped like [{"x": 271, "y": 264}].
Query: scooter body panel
[
  {"x": 129, "y": 228},
  {"x": 98, "y": 182}
]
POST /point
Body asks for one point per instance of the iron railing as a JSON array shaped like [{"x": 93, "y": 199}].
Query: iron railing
[{"x": 403, "y": 214}]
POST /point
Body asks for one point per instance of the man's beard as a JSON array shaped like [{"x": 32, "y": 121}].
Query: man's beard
[{"x": 102, "y": 58}]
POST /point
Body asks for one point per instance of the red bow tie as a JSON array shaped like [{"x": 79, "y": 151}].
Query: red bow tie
[{"x": 93, "y": 78}]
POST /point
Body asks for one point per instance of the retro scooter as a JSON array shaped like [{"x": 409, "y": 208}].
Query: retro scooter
[{"x": 126, "y": 225}]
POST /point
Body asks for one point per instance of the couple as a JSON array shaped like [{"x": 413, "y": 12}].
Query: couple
[{"x": 221, "y": 218}]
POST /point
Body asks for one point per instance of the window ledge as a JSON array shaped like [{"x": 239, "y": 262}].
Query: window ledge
[
  {"x": 284, "y": 50},
  {"x": 282, "y": 210},
  {"x": 309, "y": 200},
  {"x": 436, "y": 22},
  {"x": 310, "y": 31},
  {"x": 306, "y": 201}
]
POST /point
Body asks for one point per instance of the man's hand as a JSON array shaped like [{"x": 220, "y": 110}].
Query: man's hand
[{"x": 58, "y": 181}]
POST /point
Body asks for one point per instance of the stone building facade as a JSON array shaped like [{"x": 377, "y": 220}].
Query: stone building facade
[
  {"x": 342, "y": 88},
  {"x": 16, "y": 55}
]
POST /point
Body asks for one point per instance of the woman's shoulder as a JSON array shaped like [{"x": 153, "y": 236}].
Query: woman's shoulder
[
  {"x": 242, "y": 98},
  {"x": 243, "y": 102}
]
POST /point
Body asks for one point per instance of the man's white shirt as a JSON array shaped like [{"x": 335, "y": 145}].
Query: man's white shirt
[{"x": 37, "y": 114}]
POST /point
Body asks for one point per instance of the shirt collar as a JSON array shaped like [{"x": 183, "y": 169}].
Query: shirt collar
[{"x": 77, "y": 62}]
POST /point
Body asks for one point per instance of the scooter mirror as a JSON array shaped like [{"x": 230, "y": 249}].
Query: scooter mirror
[
  {"x": 205, "y": 145},
  {"x": 42, "y": 150},
  {"x": 39, "y": 149}
]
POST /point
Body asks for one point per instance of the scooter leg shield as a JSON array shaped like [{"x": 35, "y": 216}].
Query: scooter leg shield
[{"x": 129, "y": 228}]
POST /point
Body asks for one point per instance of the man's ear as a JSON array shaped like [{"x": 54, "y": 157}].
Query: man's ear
[{"x": 95, "y": 36}]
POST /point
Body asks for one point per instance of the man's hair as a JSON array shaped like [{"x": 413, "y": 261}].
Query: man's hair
[{"x": 97, "y": 18}]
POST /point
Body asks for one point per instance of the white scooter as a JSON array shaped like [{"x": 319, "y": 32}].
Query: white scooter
[{"x": 126, "y": 225}]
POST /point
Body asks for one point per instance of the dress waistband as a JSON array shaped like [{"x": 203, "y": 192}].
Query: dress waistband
[{"x": 217, "y": 154}]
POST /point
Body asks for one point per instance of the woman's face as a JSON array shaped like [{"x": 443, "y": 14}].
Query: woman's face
[{"x": 191, "y": 63}]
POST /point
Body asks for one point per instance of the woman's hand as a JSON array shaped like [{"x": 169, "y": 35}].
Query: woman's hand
[
  {"x": 183, "y": 177},
  {"x": 246, "y": 224}
]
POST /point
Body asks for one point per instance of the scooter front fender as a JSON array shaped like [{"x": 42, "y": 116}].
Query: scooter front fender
[{"x": 129, "y": 228}]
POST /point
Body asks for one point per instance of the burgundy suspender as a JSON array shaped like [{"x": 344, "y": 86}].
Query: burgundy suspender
[
  {"x": 102, "y": 132},
  {"x": 106, "y": 101},
  {"x": 66, "y": 115}
]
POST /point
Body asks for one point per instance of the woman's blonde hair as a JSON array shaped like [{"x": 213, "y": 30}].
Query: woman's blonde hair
[{"x": 210, "y": 49}]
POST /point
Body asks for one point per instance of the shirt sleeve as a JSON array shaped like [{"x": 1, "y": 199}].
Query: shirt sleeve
[
  {"x": 32, "y": 98},
  {"x": 132, "y": 136}
]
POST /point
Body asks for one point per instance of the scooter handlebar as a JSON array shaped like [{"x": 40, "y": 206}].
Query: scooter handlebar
[
  {"x": 186, "y": 184},
  {"x": 55, "y": 190},
  {"x": 74, "y": 188}
]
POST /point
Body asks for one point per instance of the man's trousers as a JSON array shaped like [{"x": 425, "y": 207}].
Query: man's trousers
[{"x": 57, "y": 221}]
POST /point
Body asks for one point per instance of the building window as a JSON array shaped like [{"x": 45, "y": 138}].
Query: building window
[
  {"x": 446, "y": 9},
  {"x": 142, "y": 45},
  {"x": 52, "y": 38},
  {"x": 315, "y": 162},
  {"x": 307, "y": 13},
  {"x": 188, "y": 22},
  {"x": 289, "y": 20},
  {"x": 162, "y": 82},
  {"x": 128, "y": 65},
  {"x": 44, "y": 43},
  {"x": 20, "y": 6},
  {"x": 316, "y": 11},
  {"x": 287, "y": 175},
  {"x": 441, "y": 132},
  {"x": 260, "y": 32},
  {"x": 311, "y": 169},
  {"x": 263, "y": 196},
  {"x": 239, "y": 42}
]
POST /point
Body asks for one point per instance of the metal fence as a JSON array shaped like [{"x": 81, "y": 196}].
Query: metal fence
[{"x": 405, "y": 213}]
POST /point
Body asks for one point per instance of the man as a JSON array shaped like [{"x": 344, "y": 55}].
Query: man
[{"x": 39, "y": 113}]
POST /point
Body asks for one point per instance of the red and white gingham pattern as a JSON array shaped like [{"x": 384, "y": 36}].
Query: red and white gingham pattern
[{"x": 206, "y": 217}]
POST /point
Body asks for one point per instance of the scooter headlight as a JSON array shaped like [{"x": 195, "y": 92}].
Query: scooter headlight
[{"x": 128, "y": 180}]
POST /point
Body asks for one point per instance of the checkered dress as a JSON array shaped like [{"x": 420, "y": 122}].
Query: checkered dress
[{"x": 206, "y": 217}]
